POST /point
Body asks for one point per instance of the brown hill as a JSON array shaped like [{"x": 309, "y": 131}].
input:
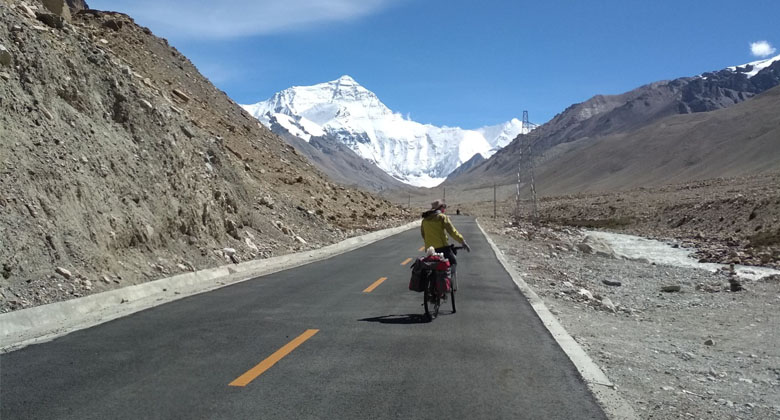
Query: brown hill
[
  {"x": 121, "y": 163},
  {"x": 743, "y": 139},
  {"x": 736, "y": 141}
]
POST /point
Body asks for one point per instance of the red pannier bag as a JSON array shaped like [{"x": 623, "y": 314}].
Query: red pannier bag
[{"x": 434, "y": 268}]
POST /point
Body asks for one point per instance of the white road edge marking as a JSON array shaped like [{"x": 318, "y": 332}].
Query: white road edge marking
[{"x": 603, "y": 389}]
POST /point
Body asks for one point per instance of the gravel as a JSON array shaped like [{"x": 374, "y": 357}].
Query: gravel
[{"x": 699, "y": 352}]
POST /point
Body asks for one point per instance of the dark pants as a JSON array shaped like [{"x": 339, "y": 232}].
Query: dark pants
[{"x": 450, "y": 256}]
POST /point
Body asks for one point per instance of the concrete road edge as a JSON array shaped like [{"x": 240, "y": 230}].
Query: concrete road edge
[
  {"x": 47, "y": 322},
  {"x": 599, "y": 384}
]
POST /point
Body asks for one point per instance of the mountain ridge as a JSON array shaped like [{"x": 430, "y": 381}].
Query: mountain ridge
[{"x": 605, "y": 115}]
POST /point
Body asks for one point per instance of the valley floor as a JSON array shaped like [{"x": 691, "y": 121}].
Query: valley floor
[{"x": 703, "y": 352}]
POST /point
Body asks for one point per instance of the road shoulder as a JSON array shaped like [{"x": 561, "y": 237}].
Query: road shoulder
[{"x": 602, "y": 388}]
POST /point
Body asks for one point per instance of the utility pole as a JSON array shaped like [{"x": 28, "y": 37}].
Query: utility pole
[
  {"x": 526, "y": 164},
  {"x": 494, "y": 200}
]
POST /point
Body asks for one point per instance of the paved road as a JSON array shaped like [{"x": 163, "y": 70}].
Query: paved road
[{"x": 371, "y": 358}]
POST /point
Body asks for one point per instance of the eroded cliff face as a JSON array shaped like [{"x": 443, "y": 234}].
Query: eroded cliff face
[{"x": 120, "y": 164}]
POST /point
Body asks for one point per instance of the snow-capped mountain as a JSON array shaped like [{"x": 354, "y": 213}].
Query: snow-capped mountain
[
  {"x": 751, "y": 69},
  {"x": 414, "y": 153}
]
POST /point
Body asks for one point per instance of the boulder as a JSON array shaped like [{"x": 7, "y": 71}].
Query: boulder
[
  {"x": 181, "y": 95},
  {"x": 187, "y": 131},
  {"x": 586, "y": 294},
  {"x": 27, "y": 10},
  {"x": 59, "y": 8},
  {"x": 113, "y": 24},
  {"x": 51, "y": 20},
  {"x": 64, "y": 273},
  {"x": 5, "y": 56},
  {"x": 596, "y": 246},
  {"x": 607, "y": 303}
]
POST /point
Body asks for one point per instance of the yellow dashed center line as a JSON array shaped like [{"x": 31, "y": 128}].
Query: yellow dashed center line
[
  {"x": 422, "y": 248},
  {"x": 374, "y": 285},
  {"x": 266, "y": 364},
  {"x": 406, "y": 261}
]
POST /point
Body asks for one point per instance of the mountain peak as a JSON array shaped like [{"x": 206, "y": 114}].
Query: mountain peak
[
  {"x": 346, "y": 79},
  {"x": 352, "y": 115}
]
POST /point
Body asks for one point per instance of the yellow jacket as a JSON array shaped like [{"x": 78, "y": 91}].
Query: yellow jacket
[{"x": 433, "y": 228}]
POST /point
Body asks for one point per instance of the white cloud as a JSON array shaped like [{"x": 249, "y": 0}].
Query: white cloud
[
  {"x": 208, "y": 19},
  {"x": 761, "y": 49}
]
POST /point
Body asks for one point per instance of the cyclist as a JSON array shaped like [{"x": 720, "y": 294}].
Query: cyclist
[{"x": 434, "y": 229}]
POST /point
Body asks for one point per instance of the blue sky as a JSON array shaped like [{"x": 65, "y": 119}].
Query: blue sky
[{"x": 457, "y": 62}]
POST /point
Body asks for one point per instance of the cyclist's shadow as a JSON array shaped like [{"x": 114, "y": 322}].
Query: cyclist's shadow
[{"x": 399, "y": 319}]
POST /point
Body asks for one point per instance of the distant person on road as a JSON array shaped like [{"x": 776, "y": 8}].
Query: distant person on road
[{"x": 434, "y": 229}]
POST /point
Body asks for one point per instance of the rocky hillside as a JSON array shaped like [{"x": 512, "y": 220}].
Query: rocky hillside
[
  {"x": 645, "y": 106},
  {"x": 736, "y": 141},
  {"x": 121, "y": 163},
  {"x": 339, "y": 163}
]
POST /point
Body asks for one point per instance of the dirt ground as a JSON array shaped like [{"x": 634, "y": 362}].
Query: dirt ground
[{"x": 702, "y": 352}]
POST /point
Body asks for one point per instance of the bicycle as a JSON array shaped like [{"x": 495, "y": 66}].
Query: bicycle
[{"x": 432, "y": 297}]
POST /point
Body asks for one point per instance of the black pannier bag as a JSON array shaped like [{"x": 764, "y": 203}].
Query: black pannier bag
[{"x": 426, "y": 268}]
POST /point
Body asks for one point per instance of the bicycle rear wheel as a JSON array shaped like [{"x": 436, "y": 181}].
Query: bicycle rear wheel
[
  {"x": 431, "y": 301},
  {"x": 426, "y": 300}
]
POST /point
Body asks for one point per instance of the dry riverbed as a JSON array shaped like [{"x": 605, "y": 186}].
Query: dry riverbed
[{"x": 703, "y": 352}]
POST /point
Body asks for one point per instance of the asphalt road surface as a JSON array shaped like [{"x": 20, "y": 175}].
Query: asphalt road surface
[{"x": 312, "y": 343}]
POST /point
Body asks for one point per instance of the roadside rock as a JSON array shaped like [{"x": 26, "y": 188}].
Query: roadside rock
[
  {"x": 5, "y": 56},
  {"x": 267, "y": 201},
  {"x": 181, "y": 95},
  {"x": 586, "y": 294},
  {"x": 596, "y": 246},
  {"x": 27, "y": 10},
  {"x": 64, "y": 273},
  {"x": 607, "y": 303},
  {"x": 51, "y": 20},
  {"x": 59, "y": 8}
]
